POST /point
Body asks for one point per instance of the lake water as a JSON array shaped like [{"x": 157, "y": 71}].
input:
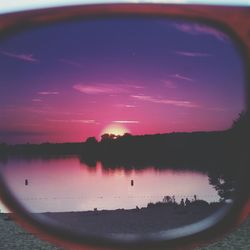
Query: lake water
[{"x": 66, "y": 184}]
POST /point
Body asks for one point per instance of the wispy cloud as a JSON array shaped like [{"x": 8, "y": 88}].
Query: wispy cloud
[
  {"x": 71, "y": 62},
  {"x": 192, "y": 54},
  {"x": 125, "y": 106},
  {"x": 103, "y": 88},
  {"x": 181, "y": 77},
  {"x": 48, "y": 93},
  {"x": 197, "y": 29},
  {"x": 73, "y": 121},
  {"x": 178, "y": 103},
  {"x": 126, "y": 122},
  {"x": 21, "y": 57},
  {"x": 84, "y": 121}
]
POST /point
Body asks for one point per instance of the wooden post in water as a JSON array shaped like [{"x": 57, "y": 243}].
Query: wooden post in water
[
  {"x": 26, "y": 182},
  {"x": 132, "y": 183}
]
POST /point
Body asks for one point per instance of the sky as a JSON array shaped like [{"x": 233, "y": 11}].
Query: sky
[{"x": 69, "y": 81}]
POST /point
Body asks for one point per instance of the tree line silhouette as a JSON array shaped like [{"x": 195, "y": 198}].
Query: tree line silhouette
[
  {"x": 216, "y": 153},
  {"x": 202, "y": 149},
  {"x": 138, "y": 150}
]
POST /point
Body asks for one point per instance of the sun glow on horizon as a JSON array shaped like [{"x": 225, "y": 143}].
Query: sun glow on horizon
[
  {"x": 115, "y": 129},
  {"x": 87, "y": 91}
]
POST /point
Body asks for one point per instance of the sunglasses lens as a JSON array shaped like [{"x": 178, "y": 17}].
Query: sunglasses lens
[{"x": 121, "y": 125}]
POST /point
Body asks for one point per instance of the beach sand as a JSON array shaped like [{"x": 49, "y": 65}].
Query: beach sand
[
  {"x": 12, "y": 237},
  {"x": 239, "y": 239},
  {"x": 144, "y": 220}
]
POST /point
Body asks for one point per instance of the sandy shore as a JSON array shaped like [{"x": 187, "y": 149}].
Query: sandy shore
[
  {"x": 237, "y": 240},
  {"x": 12, "y": 237},
  {"x": 144, "y": 220}
]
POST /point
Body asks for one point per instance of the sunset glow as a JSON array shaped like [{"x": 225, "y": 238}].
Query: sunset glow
[
  {"x": 135, "y": 75},
  {"x": 117, "y": 130}
]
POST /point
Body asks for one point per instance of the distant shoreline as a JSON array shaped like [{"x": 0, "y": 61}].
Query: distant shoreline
[{"x": 193, "y": 148}]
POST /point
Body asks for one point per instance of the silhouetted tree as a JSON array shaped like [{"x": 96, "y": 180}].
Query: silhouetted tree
[
  {"x": 107, "y": 137},
  {"x": 127, "y": 135},
  {"x": 90, "y": 151},
  {"x": 241, "y": 136},
  {"x": 91, "y": 140},
  {"x": 167, "y": 199},
  {"x": 223, "y": 184},
  {"x": 242, "y": 121}
]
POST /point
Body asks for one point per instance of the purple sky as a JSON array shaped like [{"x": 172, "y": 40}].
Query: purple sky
[{"x": 66, "y": 82}]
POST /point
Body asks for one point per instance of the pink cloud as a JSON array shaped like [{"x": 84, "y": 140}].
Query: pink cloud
[
  {"x": 85, "y": 121},
  {"x": 125, "y": 106},
  {"x": 103, "y": 88},
  {"x": 22, "y": 57},
  {"x": 73, "y": 121},
  {"x": 186, "y": 104},
  {"x": 126, "y": 122}
]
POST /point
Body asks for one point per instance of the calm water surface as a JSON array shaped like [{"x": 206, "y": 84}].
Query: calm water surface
[{"x": 65, "y": 184}]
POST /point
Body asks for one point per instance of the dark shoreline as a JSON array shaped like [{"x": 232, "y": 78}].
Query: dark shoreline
[
  {"x": 203, "y": 151},
  {"x": 155, "y": 218}
]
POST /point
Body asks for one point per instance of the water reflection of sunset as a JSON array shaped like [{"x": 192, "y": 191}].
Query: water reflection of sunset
[{"x": 68, "y": 185}]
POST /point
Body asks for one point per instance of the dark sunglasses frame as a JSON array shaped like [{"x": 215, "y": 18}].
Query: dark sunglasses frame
[{"x": 235, "y": 22}]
